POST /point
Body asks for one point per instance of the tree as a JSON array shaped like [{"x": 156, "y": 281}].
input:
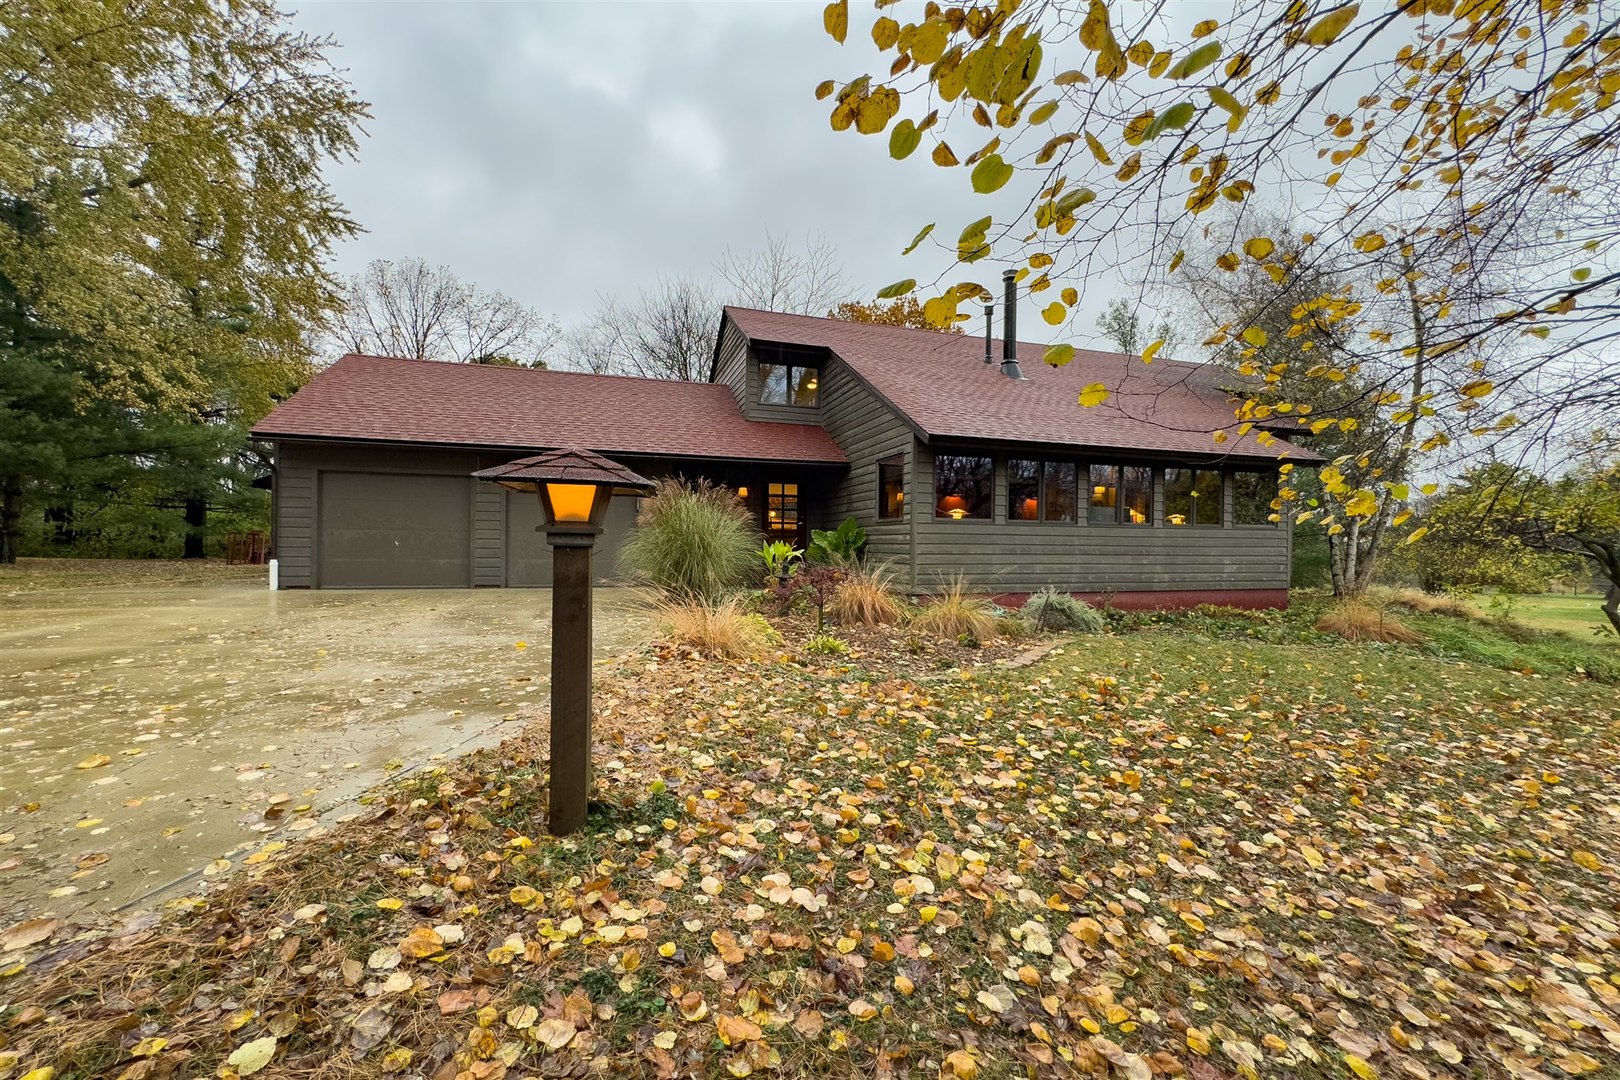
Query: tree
[
  {"x": 906, "y": 311},
  {"x": 1121, "y": 323},
  {"x": 411, "y": 309},
  {"x": 663, "y": 333},
  {"x": 1465, "y": 140},
  {"x": 776, "y": 277},
  {"x": 163, "y": 225},
  {"x": 1575, "y": 514},
  {"x": 668, "y": 332}
]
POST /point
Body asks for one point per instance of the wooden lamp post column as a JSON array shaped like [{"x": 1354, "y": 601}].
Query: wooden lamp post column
[{"x": 575, "y": 488}]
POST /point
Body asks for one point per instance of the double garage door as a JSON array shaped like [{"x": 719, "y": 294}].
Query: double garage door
[{"x": 403, "y": 531}]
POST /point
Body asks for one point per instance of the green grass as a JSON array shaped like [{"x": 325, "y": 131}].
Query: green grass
[
  {"x": 1514, "y": 646},
  {"x": 1577, "y": 615}
]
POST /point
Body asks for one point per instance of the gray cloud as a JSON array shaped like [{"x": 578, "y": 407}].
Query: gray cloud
[{"x": 560, "y": 151}]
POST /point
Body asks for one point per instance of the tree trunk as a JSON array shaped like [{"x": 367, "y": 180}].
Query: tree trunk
[
  {"x": 10, "y": 521},
  {"x": 1336, "y": 563},
  {"x": 1375, "y": 537},
  {"x": 1611, "y": 605},
  {"x": 196, "y": 528},
  {"x": 60, "y": 518},
  {"x": 1351, "y": 583}
]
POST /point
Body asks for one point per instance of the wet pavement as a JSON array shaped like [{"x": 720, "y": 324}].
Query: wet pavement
[{"x": 150, "y": 731}]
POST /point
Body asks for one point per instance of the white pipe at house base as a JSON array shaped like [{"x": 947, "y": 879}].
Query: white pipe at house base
[{"x": 275, "y": 574}]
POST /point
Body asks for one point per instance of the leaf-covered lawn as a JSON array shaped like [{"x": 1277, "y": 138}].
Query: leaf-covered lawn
[{"x": 1148, "y": 854}]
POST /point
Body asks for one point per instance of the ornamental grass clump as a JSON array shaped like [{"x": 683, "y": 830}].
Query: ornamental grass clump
[
  {"x": 866, "y": 597},
  {"x": 724, "y": 628},
  {"x": 692, "y": 541},
  {"x": 1055, "y": 611},
  {"x": 1424, "y": 603},
  {"x": 1357, "y": 620},
  {"x": 955, "y": 613}
]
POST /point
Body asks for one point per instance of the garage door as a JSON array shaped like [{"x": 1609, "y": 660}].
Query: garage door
[
  {"x": 528, "y": 556},
  {"x": 388, "y": 530}
]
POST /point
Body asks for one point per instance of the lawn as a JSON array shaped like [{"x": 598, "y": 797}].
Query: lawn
[
  {"x": 1577, "y": 615},
  {"x": 1165, "y": 850}
]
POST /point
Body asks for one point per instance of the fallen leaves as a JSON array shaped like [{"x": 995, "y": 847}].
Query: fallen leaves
[
  {"x": 28, "y": 933},
  {"x": 250, "y": 1057},
  {"x": 1165, "y": 857}
]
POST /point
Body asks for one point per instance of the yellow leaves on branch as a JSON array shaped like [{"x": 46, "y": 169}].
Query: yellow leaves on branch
[
  {"x": 1326, "y": 30},
  {"x": 835, "y": 17},
  {"x": 1094, "y": 394},
  {"x": 1097, "y": 35}
]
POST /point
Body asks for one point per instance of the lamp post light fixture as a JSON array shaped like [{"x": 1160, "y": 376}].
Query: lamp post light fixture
[{"x": 575, "y": 488}]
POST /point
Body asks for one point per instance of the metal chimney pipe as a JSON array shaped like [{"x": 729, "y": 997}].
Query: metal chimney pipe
[
  {"x": 989, "y": 326},
  {"x": 1009, "y": 339}
]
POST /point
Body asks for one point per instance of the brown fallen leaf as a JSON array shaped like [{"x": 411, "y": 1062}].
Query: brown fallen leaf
[
  {"x": 555, "y": 1033},
  {"x": 27, "y": 933},
  {"x": 455, "y": 1001},
  {"x": 734, "y": 1029}
]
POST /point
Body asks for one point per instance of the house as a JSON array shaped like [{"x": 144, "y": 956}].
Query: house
[{"x": 959, "y": 454}]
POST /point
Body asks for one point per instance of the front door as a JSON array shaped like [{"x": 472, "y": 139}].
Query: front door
[{"x": 783, "y": 519}]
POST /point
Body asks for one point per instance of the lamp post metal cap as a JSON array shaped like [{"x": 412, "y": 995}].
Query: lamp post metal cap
[{"x": 568, "y": 465}]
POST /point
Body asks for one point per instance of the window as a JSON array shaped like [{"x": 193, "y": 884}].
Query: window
[
  {"x": 1192, "y": 497},
  {"x": 782, "y": 508},
  {"x": 1041, "y": 490},
  {"x": 962, "y": 486},
  {"x": 892, "y": 488},
  {"x": 788, "y": 375},
  {"x": 1120, "y": 494},
  {"x": 1252, "y": 496}
]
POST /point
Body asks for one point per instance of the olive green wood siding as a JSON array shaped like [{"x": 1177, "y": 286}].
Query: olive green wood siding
[
  {"x": 501, "y": 546},
  {"x": 302, "y": 467},
  {"x": 293, "y": 530},
  {"x": 489, "y": 535},
  {"x": 867, "y": 431},
  {"x": 1016, "y": 556},
  {"x": 737, "y": 370}
]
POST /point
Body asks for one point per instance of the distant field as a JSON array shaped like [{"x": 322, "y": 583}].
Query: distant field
[{"x": 1578, "y": 615}]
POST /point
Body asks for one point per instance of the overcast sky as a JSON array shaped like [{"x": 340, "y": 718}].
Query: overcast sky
[{"x": 555, "y": 151}]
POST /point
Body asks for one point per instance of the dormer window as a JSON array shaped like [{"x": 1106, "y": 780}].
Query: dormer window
[{"x": 789, "y": 375}]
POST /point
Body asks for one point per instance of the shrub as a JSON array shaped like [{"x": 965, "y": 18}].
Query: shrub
[
  {"x": 779, "y": 557},
  {"x": 826, "y": 645},
  {"x": 692, "y": 541},
  {"x": 1357, "y": 620},
  {"x": 837, "y": 547},
  {"x": 956, "y": 613},
  {"x": 1014, "y": 627},
  {"x": 1052, "y": 610},
  {"x": 866, "y": 597},
  {"x": 717, "y": 629}
]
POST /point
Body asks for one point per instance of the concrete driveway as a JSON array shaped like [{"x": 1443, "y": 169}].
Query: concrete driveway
[{"x": 153, "y": 729}]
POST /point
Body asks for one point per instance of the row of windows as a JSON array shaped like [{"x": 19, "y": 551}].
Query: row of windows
[{"x": 964, "y": 487}]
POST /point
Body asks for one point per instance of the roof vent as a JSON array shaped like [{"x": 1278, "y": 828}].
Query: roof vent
[
  {"x": 989, "y": 326},
  {"x": 1009, "y": 338}
]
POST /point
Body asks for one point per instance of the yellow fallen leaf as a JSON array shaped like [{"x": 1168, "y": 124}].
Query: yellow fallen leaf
[
  {"x": 250, "y": 1057},
  {"x": 1575, "y": 1063},
  {"x": 962, "y": 1065},
  {"x": 390, "y": 903},
  {"x": 1587, "y": 860},
  {"x": 94, "y": 761},
  {"x": 1359, "y": 1066}
]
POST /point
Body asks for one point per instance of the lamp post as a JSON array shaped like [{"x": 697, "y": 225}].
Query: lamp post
[{"x": 575, "y": 487}]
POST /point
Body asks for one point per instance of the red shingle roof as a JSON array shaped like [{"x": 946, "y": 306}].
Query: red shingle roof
[
  {"x": 383, "y": 399},
  {"x": 942, "y": 384}
]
